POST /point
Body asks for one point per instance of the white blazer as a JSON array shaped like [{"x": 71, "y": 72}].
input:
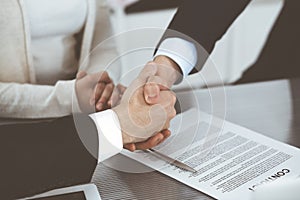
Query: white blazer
[{"x": 20, "y": 96}]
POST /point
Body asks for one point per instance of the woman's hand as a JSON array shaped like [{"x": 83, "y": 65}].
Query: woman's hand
[
  {"x": 117, "y": 95},
  {"x": 93, "y": 91},
  {"x": 102, "y": 94}
]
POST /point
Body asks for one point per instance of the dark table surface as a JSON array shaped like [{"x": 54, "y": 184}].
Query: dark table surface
[{"x": 270, "y": 108}]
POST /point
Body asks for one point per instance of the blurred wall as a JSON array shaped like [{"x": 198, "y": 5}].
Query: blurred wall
[{"x": 233, "y": 54}]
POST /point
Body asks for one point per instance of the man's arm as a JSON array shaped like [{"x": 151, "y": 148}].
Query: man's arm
[
  {"x": 198, "y": 25},
  {"x": 204, "y": 22}
]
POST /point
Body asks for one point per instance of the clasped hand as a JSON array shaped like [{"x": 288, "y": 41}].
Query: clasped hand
[{"x": 143, "y": 125}]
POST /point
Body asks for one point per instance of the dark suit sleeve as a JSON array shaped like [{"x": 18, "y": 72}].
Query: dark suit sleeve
[
  {"x": 42, "y": 156},
  {"x": 205, "y": 22}
]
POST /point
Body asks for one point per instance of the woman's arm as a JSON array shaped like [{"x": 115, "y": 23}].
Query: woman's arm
[
  {"x": 64, "y": 98},
  {"x": 36, "y": 101}
]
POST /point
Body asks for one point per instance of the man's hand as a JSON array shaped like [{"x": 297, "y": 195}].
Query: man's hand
[
  {"x": 168, "y": 72},
  {"x": 139, "y": 121},
  {"x": 93, "y": 91},
  {"x": 153, "y": 141}
]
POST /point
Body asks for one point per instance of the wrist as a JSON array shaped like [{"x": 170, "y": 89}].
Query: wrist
[
  {"x": 168, "y": 69},
  {"x": 126, "y": 138}
]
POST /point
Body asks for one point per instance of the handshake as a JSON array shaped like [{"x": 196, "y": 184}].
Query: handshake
[{"x": 144, "y": 109}]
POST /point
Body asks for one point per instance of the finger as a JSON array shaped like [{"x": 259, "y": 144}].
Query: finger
[
  {"x": 163, "y": 112},
  {"x": 151, "y": 93},
  {"x": 167, "y": 98},
  {"x": 160, "y": 142},
  {"x": 151, "y": 142},
  {"x": 118, "y": 101},
  {"x": 166, "y": 133},
  {"x": 121, "y": 88},
  {"x": 170, "y": 103},
  {"x": 167, "y": 104},
  {"x": 167, "y": 123},
  {"x": 106, "y": 94},
  {"x": 174, "y": 98},
  {"x": 131, "y": 147},
  {"x": 97, "y": 93},
  {"x": 171, "y": 113},
  {"x": 101, "y": 77},
  {"x": 109, "y": 88},
  {"x": 152, "y": 89},
  {"x": 114, "y": 97},
  {"x": 80, "y": 75}
]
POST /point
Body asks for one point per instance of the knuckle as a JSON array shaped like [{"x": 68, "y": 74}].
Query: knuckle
[
  {"x": 173, "y": 113},
  {"x": 110, "y": 86},
  {"x": 99, "y": 88},
  {"x": 174, "y": 98},
  {"x": 167, "y": 125},
  {"x": 150, "y": 63},
  {"x": 103, "y": 99},
  {"x": 171, "y": 99}
]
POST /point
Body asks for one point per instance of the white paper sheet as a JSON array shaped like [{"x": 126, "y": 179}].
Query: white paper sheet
[{"x": 229, "y": 165}]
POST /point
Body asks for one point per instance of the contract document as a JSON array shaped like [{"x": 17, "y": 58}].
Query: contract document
[{"x": 231, "y": 161}]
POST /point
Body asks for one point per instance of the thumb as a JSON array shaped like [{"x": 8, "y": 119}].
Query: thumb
[{"x": 152, "y": 89}]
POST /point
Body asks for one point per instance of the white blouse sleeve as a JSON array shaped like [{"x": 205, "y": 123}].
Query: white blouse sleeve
[{"x": 36, "y": 101}]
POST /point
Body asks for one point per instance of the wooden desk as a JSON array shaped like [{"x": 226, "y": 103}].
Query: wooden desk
[{"x": 271, "y": 108}]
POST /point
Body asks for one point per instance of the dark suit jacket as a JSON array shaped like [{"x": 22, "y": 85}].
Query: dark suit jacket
[{"x": 207, "y": 21}]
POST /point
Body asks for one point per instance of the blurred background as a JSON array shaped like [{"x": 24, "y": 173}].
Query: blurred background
[{"x": 233, "y": 54}]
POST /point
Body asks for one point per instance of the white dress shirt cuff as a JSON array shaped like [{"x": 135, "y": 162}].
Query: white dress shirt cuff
[
  {"x": 183, "y": 52},
  {"x": 109, "y": 134}
]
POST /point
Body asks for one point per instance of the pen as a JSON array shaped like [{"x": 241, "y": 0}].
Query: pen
[{"x": 171, "y": 160}]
